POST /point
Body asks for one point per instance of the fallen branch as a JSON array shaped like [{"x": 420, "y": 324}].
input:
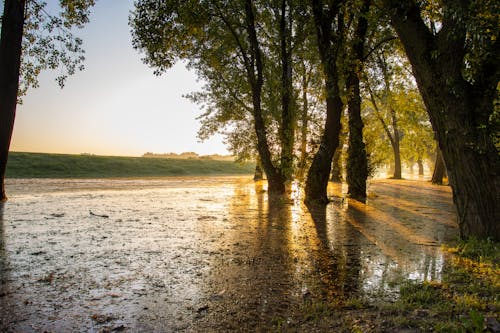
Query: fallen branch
[{"x": 98, "y": 215}]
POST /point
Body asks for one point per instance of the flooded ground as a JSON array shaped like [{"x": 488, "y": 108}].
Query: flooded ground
[{"x": 204, "y": 254}]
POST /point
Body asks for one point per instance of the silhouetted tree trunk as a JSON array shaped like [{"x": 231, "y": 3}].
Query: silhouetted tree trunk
[
  {"x": 304, "y": 128},
  {"x": 259, "y": 173},
  {"x": 254, "y": 68},
  {"x": 336, "y": 175},
  {"x": 10, "y": 64},
  {"x": 328, "y": 36},
  {"x": 439, "y": 169},
  {"x": 357, "y": 162},
  {"x": 287, "y": 130},
  {"x": 458, "y": 109}
]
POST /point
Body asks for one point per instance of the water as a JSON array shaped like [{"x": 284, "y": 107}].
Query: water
[{"x": 205, "y": 253}]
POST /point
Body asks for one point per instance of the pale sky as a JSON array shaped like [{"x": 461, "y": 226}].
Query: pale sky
[{"x": 116, "y": 106}]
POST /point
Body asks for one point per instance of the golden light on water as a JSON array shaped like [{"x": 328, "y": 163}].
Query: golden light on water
[{"x": 189, "y": 240}]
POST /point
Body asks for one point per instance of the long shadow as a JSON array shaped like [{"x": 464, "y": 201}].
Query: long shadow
[
  {"x": 3, "y": 254},
  {"x": 6, "y": 313},
  {"x": 337, "y": 258},
  {"x": 254, "y": 278}
]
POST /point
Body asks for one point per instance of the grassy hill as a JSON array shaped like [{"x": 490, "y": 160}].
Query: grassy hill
[{"x": 42, "y": 165}]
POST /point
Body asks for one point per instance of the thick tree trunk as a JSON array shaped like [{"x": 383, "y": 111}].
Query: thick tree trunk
[
  {"x": 336, "y": 174},
  {"x": 459, "y": 112},
  {"x": 10, "y": 64},
  {"x": 357, "y": 162},
  {"x": 319, "y": 172},
  {"x": 439, "y": 169},
  {"x": 287, "y": 130}
]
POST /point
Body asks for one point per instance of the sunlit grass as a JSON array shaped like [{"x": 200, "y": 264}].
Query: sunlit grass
[
  {"x": 466, "y": 299},
  {"x": 39, "y": 165}
]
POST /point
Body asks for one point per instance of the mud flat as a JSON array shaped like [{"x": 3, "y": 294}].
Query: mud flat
[{"x": 203, "y": 254}]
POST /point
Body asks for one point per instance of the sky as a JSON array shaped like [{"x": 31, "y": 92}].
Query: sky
[{"x": 116, "y": 106}]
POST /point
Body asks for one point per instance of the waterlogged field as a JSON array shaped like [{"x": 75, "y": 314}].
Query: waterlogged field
[{"x": 202, "y": 254}]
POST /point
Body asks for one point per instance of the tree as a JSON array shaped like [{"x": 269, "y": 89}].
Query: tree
[
  {"x": 329, "y": 23},
  {"x": 357, "y": 163},
  {"x": 455, "y": 60},
  {"x": 10, "y": 64},
  {"x": 32, "y": 40},
  {"x": 439, "y": 169},
  {"x": 418, "y": 138},
  {"x": 384, "y": 106},
  {"x": 244, "y": 48}
]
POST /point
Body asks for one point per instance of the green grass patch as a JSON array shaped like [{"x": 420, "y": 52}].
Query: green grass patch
[
  {"x": 41, "y": 165},
  {"x": 467, "y": 299}
]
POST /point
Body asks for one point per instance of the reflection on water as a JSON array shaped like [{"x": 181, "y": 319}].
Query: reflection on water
[
  {"x": 3, "y": 256},
  {"x": 207, "y": 253}
]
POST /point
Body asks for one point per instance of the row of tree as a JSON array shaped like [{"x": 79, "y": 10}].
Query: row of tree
[
  {"x": 280, "y": 73},
  {"x": 274, "y": 69}
]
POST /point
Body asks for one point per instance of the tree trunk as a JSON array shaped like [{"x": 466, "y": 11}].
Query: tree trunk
[
  {"x": 10, "y": 64},
  {"x": 397, "y": 155},
  {"x": 459, "y": 112},
  {"x": 319, "y": 172},
  {"x": 439, "y": 169},
  {"x": 420, "y": 164},
  {"x": 304, "y": 129},
  {"x": 395, "y": 142},
  {"x": 336, "y": 175},
  {"x": 287, "y": 130},
  {"x": 357, "y": 162},
  {"x": 259, "y": 173},
  {"x": 255, "y": 69}
]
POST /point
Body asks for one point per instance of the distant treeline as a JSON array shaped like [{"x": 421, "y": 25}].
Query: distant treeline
[
  {"x": 190, "y": 155},
  {"x": 42, "y": 165}
]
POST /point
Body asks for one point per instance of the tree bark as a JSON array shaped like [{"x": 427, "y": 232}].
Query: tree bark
[
  {"x": 357, "y": 162},
  {"x": 439, "y": 169},
  {"x": 395, "y": 142},
  {"x": 328, "y": 40},
  {"x": 254, "y": 67},
  {"x": 336, "y": 174},
  {"x": 259, "y": 173},
  {"x": 459, "y": 111},
  {"x": 10, "y": 64},
  {"x": 287, "y": 130},
  {"x": 304, "y": 128}
]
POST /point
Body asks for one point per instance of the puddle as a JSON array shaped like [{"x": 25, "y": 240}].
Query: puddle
[{"x": 205, "y": 253}]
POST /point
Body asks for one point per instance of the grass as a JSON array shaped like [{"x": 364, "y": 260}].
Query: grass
[
  {"x": 467, "y": 299},
  {"x": 41, "y": 165}
]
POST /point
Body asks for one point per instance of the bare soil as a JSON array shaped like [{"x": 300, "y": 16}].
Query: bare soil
[{"x": 208, "y": 254}]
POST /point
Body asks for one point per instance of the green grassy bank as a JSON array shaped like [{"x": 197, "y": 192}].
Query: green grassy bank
[{"x": 41, "y": 165}]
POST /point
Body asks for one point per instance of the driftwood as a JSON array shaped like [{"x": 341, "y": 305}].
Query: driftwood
[{"x": 98, "y": 215}]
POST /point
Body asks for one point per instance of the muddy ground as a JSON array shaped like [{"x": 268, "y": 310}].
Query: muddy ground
[{"x": 206, "y": 254}]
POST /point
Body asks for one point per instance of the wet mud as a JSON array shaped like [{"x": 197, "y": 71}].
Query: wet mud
[{"x": 206, "y": 254}]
